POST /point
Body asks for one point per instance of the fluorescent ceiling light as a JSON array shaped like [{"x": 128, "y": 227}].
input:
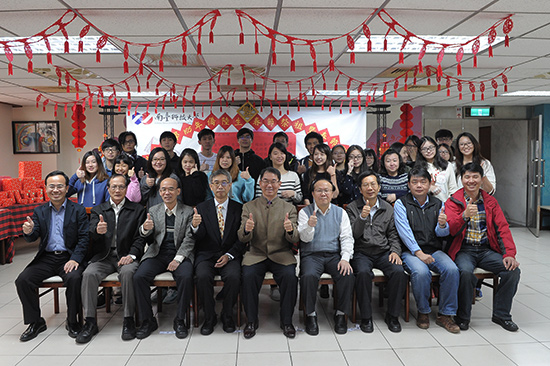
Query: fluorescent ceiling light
[
  {"x": 57, "y": 45},
  {"x": 528, "y": 93},
  {"x": 134, "y": 95},
  {"x": 395, "y": 43},
  {"x": 344, "y": 93}
]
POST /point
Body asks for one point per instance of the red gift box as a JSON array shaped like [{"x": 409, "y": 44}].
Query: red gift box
[
  {"x": 3, "y": 195},
  {"x": 7, "y": 202},
  {"x": 37, "y": 195},
  {"x": 11, "y": 184},
  {"x": 28, "y": 184},
  {"x": 30, "y": 169}
]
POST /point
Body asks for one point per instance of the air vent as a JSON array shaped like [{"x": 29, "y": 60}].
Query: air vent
[
  {"x": 77, "y": 73},
  {"x": 54, "y": 89},
  {"x": 171, "y": 60},
  {"x": 239, "y": 88},
  {"x": 420, "y": 88},
  {"x": 396, "y": 71}
]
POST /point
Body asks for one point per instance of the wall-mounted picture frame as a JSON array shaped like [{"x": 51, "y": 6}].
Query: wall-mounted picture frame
[{"x": 35, "y": 137}]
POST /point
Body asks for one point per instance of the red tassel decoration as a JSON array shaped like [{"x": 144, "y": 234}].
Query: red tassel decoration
[
  {"x": 506, "y": 41},
  {"x": 80, "y": 46},
  {"x": 10, "y": 68},
  {"x": 184, "y": 49},
  {"x": 369, "y": 45},
  {"x": 420, "y": 68},
  {"x": 490, "y": 51},
  {"x": 475, "y": 60},
  {"x": 341, "y": 104},
  {"x": 458, "y": 69},
  {"x": 331, "y": 65},
  {"x": 29, "y": 66},
  {"x": 184, "y": 59},
  {"x": 401, "y": 58},
  {"x": 241, "y": 38},
  {"x": 228, "y": 77},
  {"x": 385, "y": 44},
  {"x": 97, "y": 56},
  {"x": 352, "y": 58},
  {"x": 199, "y": 46},
  {"x": 161, "y": 62},
  {"x": 48, "y": 55},
  {"x": 274, "y": 54},
  {"x": 292, "y": 65},
  {"x": 313, "y": 56},
  {"x": 314, "y": 66},
  {"x": 256, "y": 44},
  {"x": 439, "y": 70}
]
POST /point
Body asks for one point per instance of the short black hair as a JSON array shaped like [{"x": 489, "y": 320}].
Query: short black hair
[
  {"x": 280, "y": 134},
  {"x": 126, "y": 179},
  {"x": 244, "y": 131},
  {"x": 312, "y": 185},
  {"x": 168, "y": 134},
  {"x": 206, "y": 132},
  {"x": 471, "y": 167},
  {"x": 419, "y": 172},
  {"x": 272, "y": 170},
  {"x": 443, "y": 133},
  {"x": 54, "y": 173},
  {"x": 367, "y": 173},
  {"x": 110, "y": 143},
  {"x": 314, "y": 135},
  {"x": 123, "y": 158},
  {"x": 124, "y": 134}
]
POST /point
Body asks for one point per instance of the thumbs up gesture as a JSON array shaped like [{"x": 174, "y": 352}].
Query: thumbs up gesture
[
  {"x": 288, "y": 224},
  {"x": 312, "y": 219},
  {"x": 148, "y": 224},
  {"x": 471, "y": 209},
  {"x": 442, "y": 218},
  {"x": 149, "y": 181},
  {"x": 28, "y": 226},
  {"x": 301, "y": 169},
  {"x": 365, "y": 212},
  {"x": 131, "y": 172},
  {"x": 249, "y": 225},
  {"x": 246, "y": 174},
  {"x": 197, "y": 218},
  {"x": 101, "y": 226},
  {"x": 80, "y": 173}
]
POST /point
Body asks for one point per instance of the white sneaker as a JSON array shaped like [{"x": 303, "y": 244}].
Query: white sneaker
[{"x": 171, "y": 296}]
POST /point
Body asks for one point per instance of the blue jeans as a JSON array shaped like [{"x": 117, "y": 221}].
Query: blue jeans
[
  {"x": 469, "y": 258},
  {"x": 421, "y": 279}
]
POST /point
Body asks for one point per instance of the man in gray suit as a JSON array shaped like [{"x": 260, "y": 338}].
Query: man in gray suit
[{"x": 167, "y": 230}]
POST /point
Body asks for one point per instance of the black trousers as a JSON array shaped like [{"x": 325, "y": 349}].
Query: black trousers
[
  {"x": 285, "y": 276},
  {"x": 231, "y": 277},
  {"x": 397, "y": 282},
  {"x": 143, "y": 280},
  {"x": 48, "y": 265}
]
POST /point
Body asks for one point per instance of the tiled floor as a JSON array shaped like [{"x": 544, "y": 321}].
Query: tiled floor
[{"x": 484, "y": 344}]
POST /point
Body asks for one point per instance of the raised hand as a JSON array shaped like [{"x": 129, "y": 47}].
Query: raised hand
[
  {"x": 148, "y": 224},
  {"x": 131, "y": 172},
  {"x": 365, "y": 212},
  {"x": 301, "y": 169},
  {"x": 101, "y": 226},
  {"x": 442, "y": 218},
  {"x": 149, "y": 181},
  {"x": 193, "y": 169},
  {"x": 288, "y": 224},
  {"x": 238, "y": 160},
  {"x": 246, "y": 174},
  {"x": 331, "y": 170},
  {"x": 350, "y": 167},
  {"x": 471, "y": 209},
  {"x": 249, "y": 225},
  {"x": 80, "y": 173},
  {"x": 204, "y": 167},
  {"x": 28, "y": 226},
  {"x": 197, "y": 218},
  {"x": 312, "y": 219}
]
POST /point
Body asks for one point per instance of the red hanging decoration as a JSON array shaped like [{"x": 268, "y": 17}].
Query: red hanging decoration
[
  {"x": 9, "y": 56},
  {"x": 473, "y": 90},
  {"x": 395, "y": 87},
  {"x": 78, "y": 117},
  {"x": 351, "y": 46},
  {"x": 28, "y": 52},
  {"x": 101, "y": 42},
  {"x": 475, "y": 50},
  {"x": 273, "y": 53},
  {"x": 161, "y": 62},
  {"x": 313, "y": 56},
  {"x": 49, "y": 48},
  {"x": 126, "y": 53},
  {"x": 83, "y": 33},
  {"x": 292, "y": 62},
  {"x": 459, "y": 56},
  {"x": 184, "y": 50},
  {"x": 141, "y": 58},
  {"x": 66, "y": 44},
  {"x": 482, "y": 90},
  {"x": 494, "y": 84},
  {"x": 505, "y": 81},
  {"x": 199, "y": 45},
  {"x": 507, "y": 28}
]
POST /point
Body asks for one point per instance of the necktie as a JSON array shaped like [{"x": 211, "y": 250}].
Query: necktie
[{"x": 220, "y": 220}]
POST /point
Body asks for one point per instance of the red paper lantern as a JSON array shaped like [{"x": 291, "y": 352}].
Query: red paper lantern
[{"x": 78, "y": 117}]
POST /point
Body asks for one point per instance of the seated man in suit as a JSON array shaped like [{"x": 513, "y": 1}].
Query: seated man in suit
[
  {"x": 62, "y": 227},
  {"x": 117, "y": 247},
  {"x": 482, "y": 239},
  {"x": 326, "y": 245},
  {"x": 218, "y": 251},
  {"x": 167, "y": 230},
  {"x": 377, "y": 245},
  {"x": 268, "y": 224}
]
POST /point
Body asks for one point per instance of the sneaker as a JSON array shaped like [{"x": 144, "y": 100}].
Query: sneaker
[
  {"x": 479, "y": 294},
  {"x": 275, "y": 294},
  {"x": 447, "y": 322},
  {"x": 171, "y": 296}
]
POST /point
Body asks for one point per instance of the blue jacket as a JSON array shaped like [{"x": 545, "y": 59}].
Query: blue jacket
[{"x": 89, "y": 194}]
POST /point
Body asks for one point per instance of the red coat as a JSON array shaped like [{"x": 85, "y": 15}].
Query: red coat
[{"x": 498, "y": 231}]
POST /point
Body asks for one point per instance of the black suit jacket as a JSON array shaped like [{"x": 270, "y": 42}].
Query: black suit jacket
[
  {"x": 208, "y": 241},
  {"x": 75, "y": 229},
  {"x": 130, "y": 218}
]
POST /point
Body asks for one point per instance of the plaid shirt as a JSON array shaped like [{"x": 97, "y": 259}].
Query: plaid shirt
[{"x": 476, "y": 233}]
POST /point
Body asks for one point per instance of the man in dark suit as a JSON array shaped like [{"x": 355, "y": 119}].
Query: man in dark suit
[
  {"x": 167, "y": 230},
  {"x": 117, "y": 247},
  {"x": 218, "y": 251},
  {"x": 62, "y": 227}
]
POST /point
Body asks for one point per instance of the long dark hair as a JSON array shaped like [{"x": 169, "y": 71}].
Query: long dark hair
[
  {"x": 476, "y": 155},
  {"x": 325, "y": 149},
  {"x": 371, "y": 152},
  {"x": 280, "y": 147},
  {"x": 449, "y": 150},
  {"x": 101, "y": 174},
  {"x": 421, "y": 161},
  {"x": 167, "y": 170},
  {"x": 400, "y": 169},
  {"x": 187, "y": 152},
  {"x": 234, "y": 169},
  {"x": 363, "y": 166}
]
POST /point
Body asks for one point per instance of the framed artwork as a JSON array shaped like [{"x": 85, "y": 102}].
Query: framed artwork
[{"x": 40, "y": 137}]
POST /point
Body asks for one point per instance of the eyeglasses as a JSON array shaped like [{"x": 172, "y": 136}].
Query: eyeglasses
[
  {"x": 410, "y": 146},
  {"x": 428, "y": 148},
  {"x": 110, "y": 150},
  {"x": 272, "y": 182},
  {"x": 322, "y": 191},
  {"x": 131, "y": 141},
  {"x": 223, "y": 183},
  {"x": 167, "y": 189},
  {"x": 56, "y": 186},
  {"x": 245, "y": 137},
  {"x": 355, "y": 157},
  {"x": 155, "y": 160},
  {"x": 443, "y": 152},
  {"x": 466, "y": 144},
  {"x": 117, "y": 187}
]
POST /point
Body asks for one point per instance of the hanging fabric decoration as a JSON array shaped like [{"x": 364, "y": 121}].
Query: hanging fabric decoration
[{"x": 78, "y": 117}]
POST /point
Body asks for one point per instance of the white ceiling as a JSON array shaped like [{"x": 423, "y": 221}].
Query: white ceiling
[{"x": 156, "y": 20}]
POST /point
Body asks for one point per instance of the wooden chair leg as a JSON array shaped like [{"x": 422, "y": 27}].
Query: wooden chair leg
[
  {"x": 108, "y": 294},
  {"x": 354, "y": 306},
  {"x": 407, "y": 301},
  {"x": 159, "y": 299},
  {"x": 195, "y": 307},
  {"x": 56, "y": 300},
  {"x": 239, "y": 310}
]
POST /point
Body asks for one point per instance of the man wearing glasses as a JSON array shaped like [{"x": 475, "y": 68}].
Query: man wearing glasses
[
  {"x": 62, "y": 227},
  {"x": 117, "y": 247},
  {"x": 218, "y": 251},
  {"x": 268, "y": 225},
  {"x": 246, "y": 157},
  {"x": 110, "y": 149},
  {"x": 167, "y": 231}
]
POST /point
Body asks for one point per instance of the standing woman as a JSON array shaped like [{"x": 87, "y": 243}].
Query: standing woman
[
  {"x": 356, "y": 163},
  {"x": 158, "y": 167},
  {"x": 443, "y": 176},
  {"x": 194, "y": 183},
  {"x": 372, "y": 160},
  {"x": 125, "y": 165},
  {"x": 321, "y": 168},
  {"x": 90, "y": 181},
  {"x": 242, "y": 189},
  {"x": 469, "y": 151},
  {"x": 412, "y": 146},
  {"x": 339, "y": 157},
  {"x": 290, "y": 189},
  {"x": 393, "y": 176}
]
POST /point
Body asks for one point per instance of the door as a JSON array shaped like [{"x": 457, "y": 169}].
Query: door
[{"x": 535, "y": 176}]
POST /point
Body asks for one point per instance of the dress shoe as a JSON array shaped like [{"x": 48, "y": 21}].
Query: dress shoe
[
  {"x": 312, "y": 328},
  {"x": 393, "y": 323},
  {"x": 423, "y": 321},
  {"x": 288, "y": 330},
  {"x": 462, "y": 323},
  {"x": 147, "y": 327},
  {"x": 88, "y": 331},
  {"x": 323, "y": 292},
  {"x": 509, "y": 325},
  {"x": 73, "y": 329},
  {"x": 447, "y": 322},
  {"x": 181, "y": 329},
  {"x": 33, "y": 330},
  {"x": 340, "y": 324},
  {"x": 208, "y": 326},
  {"x": 228, "y": 323},
  {"x": 250, "y": 330},
  {"x": 366, "y": 325},
  {"x": 128, "y": 329}
]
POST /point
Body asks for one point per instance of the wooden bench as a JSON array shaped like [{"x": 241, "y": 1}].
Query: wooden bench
[{"x": 481, "y": 274}]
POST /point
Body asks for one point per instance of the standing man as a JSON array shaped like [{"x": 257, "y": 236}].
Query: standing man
[
  {"x": 62, "y": 227},
  {"x": 246, "y": 157},
  {"x": 482, "y": 238},
  {"x": 218, "y": 251},
  {"x": 326, "y": 245},
  {"x": 268, "y": 224},
  {"x": 311, "y": 140},
  {"x": 168, "y": 142},
  {"x": 376, "y": 245},
  {"x": 128, "y": 142},
  {"x": 207, "y": 157},
  {"x": 110, "y": 149},
  {"x": 421, "y": 222},
  {"x": 167, "y": 230},
  {"x": 116, "y": 247},
  {"x": 444, "y": 136}
]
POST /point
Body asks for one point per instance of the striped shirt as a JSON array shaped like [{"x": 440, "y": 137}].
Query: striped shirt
[
  {"x": 289, "y": 182},
  {"x": 394, "y": 185}
]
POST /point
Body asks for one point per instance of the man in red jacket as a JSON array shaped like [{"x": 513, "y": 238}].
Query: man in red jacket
[{"x": 482, "y": 239}]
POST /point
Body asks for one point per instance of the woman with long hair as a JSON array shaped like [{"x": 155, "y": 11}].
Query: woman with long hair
[
  {"x": 90, "y": 181},
  {"x": 194, "y": 183},
  {"x": 356, "y": 163},
  {"x": 443, "y": 178},
  {"x": 372, "y": 160},
  {"x": 339, "y": 157},
  {"x": 469, "y": 151},
  {"x": 393, "y": 176},
  {"x": 124, "y": 165},
  {"x": 290, "y": 189},
  {"x": 321, "y": 168},
  {"x": 242, "y": 188},
  {"x": 158, "y": 167},
  {"x": 412, "y": 146}
]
